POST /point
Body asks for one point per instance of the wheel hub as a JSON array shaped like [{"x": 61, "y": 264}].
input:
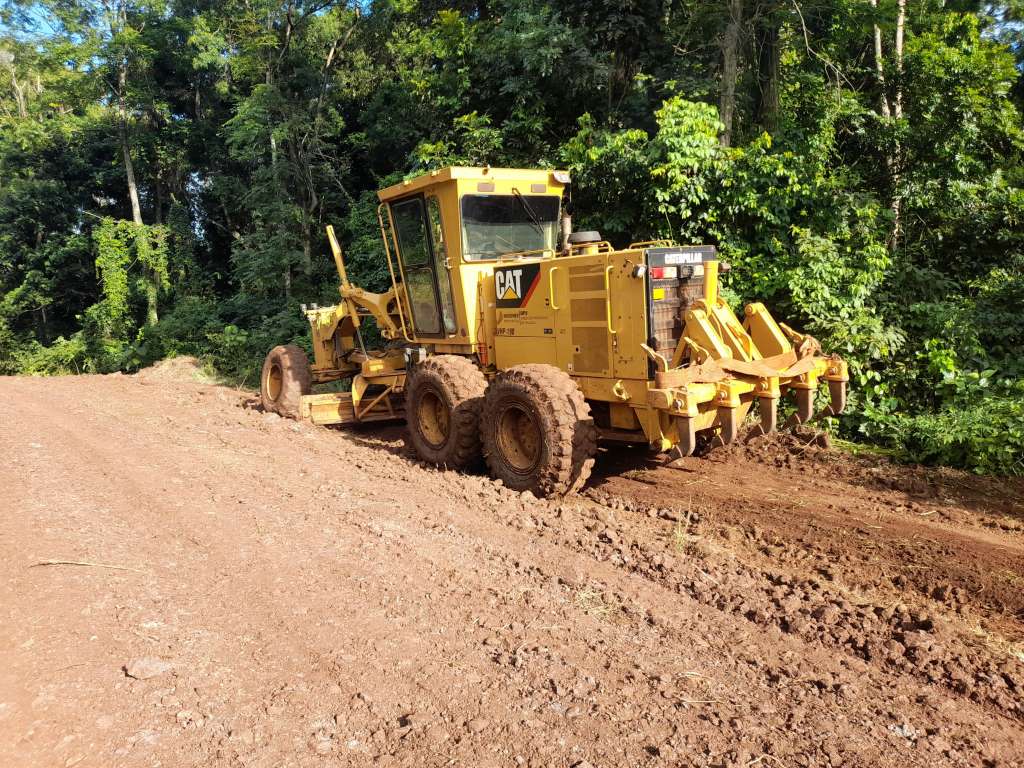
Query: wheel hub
[
  {"x": 433, "y": 418},
  {"x": 519, "y": 438},
  {"x": 275, "y": 381}
]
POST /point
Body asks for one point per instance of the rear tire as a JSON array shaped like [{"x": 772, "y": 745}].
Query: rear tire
[
  {"x": 443, "y": 397},
  {"x": 537, "y": 431},
  {"x": 285, "y": 379}
]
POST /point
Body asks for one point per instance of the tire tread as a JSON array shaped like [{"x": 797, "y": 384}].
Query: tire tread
[
  {"x": 571, "y": 436},
  {"x": 297, "y": 380},
  {"x": 465, "y": 384}
]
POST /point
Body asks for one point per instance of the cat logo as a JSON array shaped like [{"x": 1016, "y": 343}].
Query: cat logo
[
  {"x": 513, "y": 286},
  {"x": 508, "y": 284}
]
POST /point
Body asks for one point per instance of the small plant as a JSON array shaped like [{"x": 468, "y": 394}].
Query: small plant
[{"x": 686, "y": 541}]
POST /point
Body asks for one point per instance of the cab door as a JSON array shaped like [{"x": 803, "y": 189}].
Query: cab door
[{"x": 424, "y": 269}]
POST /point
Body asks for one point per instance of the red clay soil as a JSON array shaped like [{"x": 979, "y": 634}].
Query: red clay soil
[{"x": 251, "y": 591}]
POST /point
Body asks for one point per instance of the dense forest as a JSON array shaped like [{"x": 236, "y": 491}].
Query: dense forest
[{"x": 167, "y": 168}]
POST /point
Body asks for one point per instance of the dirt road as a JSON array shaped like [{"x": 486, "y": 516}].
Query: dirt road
[{"x": 262, "y": 593}]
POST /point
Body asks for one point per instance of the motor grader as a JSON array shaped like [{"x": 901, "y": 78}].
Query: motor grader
[{"x": 511, "y": 338}]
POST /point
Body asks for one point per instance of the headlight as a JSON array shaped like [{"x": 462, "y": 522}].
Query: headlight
[{"x": 562, "y": 177}]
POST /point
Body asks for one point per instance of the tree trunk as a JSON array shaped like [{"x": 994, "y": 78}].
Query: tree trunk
[
  {"x": 19, "y": 95},
  {"x": 152, "y": 291},
  {"x": 152, "y": 285},
  {"x": 307, "y": 243},
  {"x": 45, "y": 325},
  {"x": 767, "y": 43},
  {"x": 892, "y": 109},
  {"x": 901, "y": 19},
  {"x": 310, "y": 205},
  {"x": 44, "y": 336},
  {"x": 730, "y": 58},
  {"x": 129, "y": 169},
  {"x": 883, "y": 98},
  {"x": 287, "y": 282},
  {"x": 158, "y": 212},
  {"x": 896, "y": 166}
]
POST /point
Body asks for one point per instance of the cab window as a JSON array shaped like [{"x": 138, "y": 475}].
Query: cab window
[
  {"x": 493, "y": 225},
  {"x": 414, "y": 250}
]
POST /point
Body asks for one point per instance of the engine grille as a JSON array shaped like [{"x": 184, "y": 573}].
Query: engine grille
[{"x": 675, "y": 280}]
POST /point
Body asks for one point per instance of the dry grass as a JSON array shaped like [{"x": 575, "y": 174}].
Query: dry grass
[
  {"x": 594, "y": 602},
  {"x": 685, "y": 539}
]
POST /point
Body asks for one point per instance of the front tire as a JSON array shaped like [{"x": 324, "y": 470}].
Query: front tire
[
  {"x": 537, "y": 431},
  {"x": 285, "y": 379},
  {"x": 443, "y": 396}
]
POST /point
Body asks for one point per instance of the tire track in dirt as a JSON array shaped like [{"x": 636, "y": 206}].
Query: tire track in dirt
[
  {"x": 954, "y": 539},
  {"x": 896, "y": 638}
]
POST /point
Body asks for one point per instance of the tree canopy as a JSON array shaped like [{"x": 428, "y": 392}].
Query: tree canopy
[{"x": 167, "y": 168}]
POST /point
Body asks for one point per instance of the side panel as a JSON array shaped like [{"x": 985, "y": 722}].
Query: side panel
[
  {"x": 626, "y": 278},
  {"x": 593, "y": 306},
  {"x": 524, "y": 320},
  {"x": 475, "y": 286},
  {"x": 582, "y": 319},
  {"x": 523, "y": 350}
]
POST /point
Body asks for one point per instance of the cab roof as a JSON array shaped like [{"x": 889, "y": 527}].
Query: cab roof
[{"x": 485, "y": 173}]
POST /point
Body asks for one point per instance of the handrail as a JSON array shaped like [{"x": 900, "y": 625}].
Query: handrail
[
  {"x": 601, "y": 246},
  {"x": 608, "y": 298},
  {"x": 510, "y": 255},
  {"x": 551, "y": 287},
  {"x": 391, "y": 269},
  {"x": 659, "y": 243}
]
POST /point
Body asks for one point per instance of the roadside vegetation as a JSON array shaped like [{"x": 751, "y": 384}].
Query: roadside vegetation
[{"x": 166, "y": 170}]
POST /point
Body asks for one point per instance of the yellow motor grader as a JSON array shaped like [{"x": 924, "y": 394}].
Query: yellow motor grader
[{"x": 511, "y": 338}]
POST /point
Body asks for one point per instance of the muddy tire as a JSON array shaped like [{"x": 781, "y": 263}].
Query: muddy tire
[
  {"x": 285, "y": 379},
  {"x": 537, "y": 431},
  {"x": 443, "y": 397}
]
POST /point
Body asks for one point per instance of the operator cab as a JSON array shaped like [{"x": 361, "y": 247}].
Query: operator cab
[{"x": 449, "y": 228}]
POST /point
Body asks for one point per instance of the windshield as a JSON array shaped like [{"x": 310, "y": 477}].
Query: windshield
[{"x": 497, "y": 224}]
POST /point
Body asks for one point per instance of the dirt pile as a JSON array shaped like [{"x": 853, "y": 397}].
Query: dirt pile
[{"x": 175, "y": 370}]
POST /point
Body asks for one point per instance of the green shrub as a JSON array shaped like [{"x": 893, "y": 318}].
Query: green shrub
[
  {"x": 236, "y": 349},
  {"x": 61, "y": 358},
  {"x": 981, "y": 430}
]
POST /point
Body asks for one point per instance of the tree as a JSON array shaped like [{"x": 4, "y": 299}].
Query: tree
[{"x": 167, "y": 166}]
